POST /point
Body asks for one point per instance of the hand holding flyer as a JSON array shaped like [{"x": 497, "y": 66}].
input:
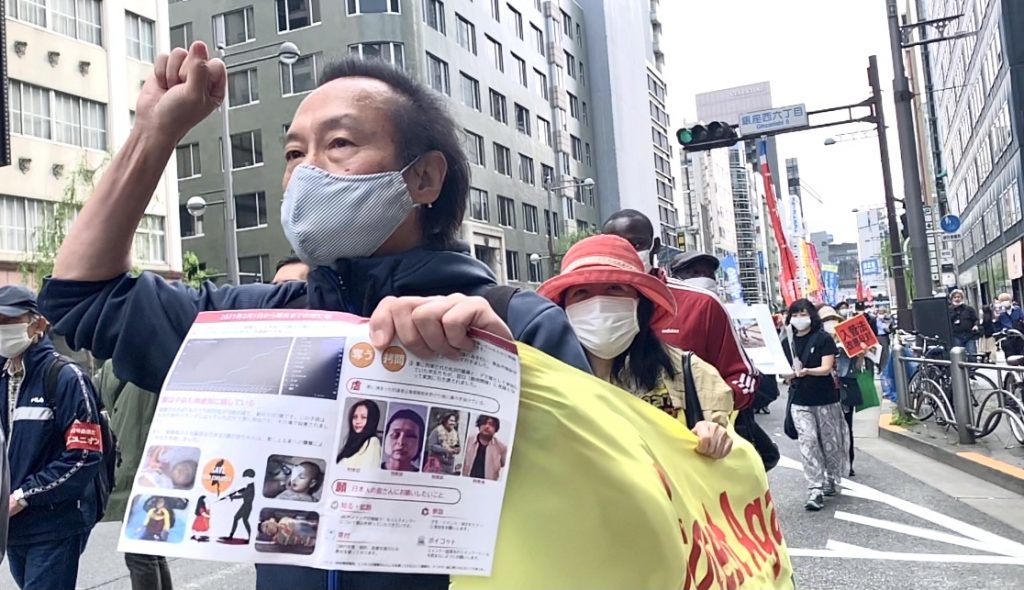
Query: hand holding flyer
[
  {"x": 856, "y": 336},
  {"x": 286, "y": 437}
]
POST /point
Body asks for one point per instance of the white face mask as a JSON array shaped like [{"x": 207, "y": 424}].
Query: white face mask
[
  {"x": 605, "y": 326},
  {"x": 14, "y": 340},
  {"x": 830, "y": 326},
  {"x": 703, "y": 283},
  {"x": 800, "y": 323}
]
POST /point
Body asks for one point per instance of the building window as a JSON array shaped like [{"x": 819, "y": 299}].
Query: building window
[
  {"x": 531, "y": 222},
  {"x": 567, "y": 25},
  {"x": 497, "y": 57},
  {"x": 547, "y": 174},
  {"x": 140, "y": 33},
  {"x": 536, "y": 272},
  {"x": 181, "y": 36},
  {"x": 506, "y": 212},
  {"x": 29, "y": 11},
  {"x": 548, "y": 216},
  {"x": 479, "y": 208},
  {"x": 297, "y": 14},
  {"x": 574, "y": 105},
  {"x": 516, "y": 22},
  {"x": 465, "y": 34},
  {"x": 499, "y": 108},
  {"x": 538, "y": 39},
  {"x": 570, "y": 65},
  {"x": 300, "y": 76},
  {"x": 583, "y": 78},
  {"x": 433, "y": 15},
  {"x": 526, "y": 171},
  {"x": 77, "y": 19},
  {"x": 522, "y": 119},
  {"x": 243, "y": 88},
  {"x": 234, "y": 28},
  {"x": 470, "y": 92},
  {"x": 251, "y": 210},
  {"x": 393, "y": 53},
  {"x": 586, "y": 114},
  {"x": 474, "y": 146},
  {"x": 512, "y": 265},
  {"x": 189, "y": 163},
  {"x": 74, "y": 120},
  {"x": 521, "y": 70},
  {"x": 544, "y": 131},
  {"x": 496, "y": 10},
  {"x": 246, "y": 149},
  {"x": 254, "y": 269},
  {"x": 502, "y": 160},
  {"x": 586, "y": 150},
  {"x": 150, "y": 245},
  {"x": 564, "y": 157},
  {"x": 437, "y": 74},
  {"x": 542, "y": 83},
  {"x": 374, "y": 6},
  {"x": 20, "y": 219},
  {"x": 577, "y": 148},
  {"x": 190, "y": 226}
]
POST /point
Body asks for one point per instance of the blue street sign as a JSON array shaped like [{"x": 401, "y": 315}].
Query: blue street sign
[{"x": 950, "y": 223}]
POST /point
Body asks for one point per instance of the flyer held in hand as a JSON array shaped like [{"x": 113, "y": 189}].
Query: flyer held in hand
[{"x": 282, "y": 437}]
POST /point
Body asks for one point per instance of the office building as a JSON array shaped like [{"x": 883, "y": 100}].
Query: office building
[
  {"x": 517, "y": 79},
  {"x": 846, "y": 258},
  {"x": 982, "y": 90},
  {"x": 705, "y": 199},
  {"x": 746, "y": 213},
  {"x": 76, "y": 69},
  {"x": 872, "y": 249}
]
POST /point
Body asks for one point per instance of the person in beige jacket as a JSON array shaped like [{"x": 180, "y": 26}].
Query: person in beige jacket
[{"x": 612, "y": 305}]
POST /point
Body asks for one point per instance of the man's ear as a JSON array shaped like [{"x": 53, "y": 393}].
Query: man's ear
[{"x": 426, "y": 177}]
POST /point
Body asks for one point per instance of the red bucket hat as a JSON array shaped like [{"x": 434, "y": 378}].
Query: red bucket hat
[{"x": 604, "y": 260}]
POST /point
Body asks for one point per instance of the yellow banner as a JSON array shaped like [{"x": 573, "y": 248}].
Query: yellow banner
[{"x": 607, "y": 492}]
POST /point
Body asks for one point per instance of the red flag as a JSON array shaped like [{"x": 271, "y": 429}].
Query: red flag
[
  {"x": 860, "y": 290},
  {"x": 788, "y": 280}
]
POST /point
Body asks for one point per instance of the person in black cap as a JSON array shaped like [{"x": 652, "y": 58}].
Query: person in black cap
[
  {"x": 696, "y": 269},
  {"x": 55, "y": 449}
]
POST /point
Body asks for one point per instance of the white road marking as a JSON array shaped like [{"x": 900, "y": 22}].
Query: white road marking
[
  {"x": 923, "y": 533},
  {"x": 924, "y": 557}
]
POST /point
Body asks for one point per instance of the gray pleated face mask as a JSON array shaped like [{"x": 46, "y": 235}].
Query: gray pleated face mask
[{"x": 327, "y": 217}]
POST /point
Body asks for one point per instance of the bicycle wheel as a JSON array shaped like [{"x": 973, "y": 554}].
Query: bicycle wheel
[
  {"x": 927, "y": 402},
  {"x": 980, "y": 384}
]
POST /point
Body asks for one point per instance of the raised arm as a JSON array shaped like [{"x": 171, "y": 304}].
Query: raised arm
[{"x": 185, "y": 87}]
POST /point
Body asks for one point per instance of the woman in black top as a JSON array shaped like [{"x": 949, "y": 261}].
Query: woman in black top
[
  {"x": 816, "y": 413},
  {"x": 963, "y": 321}
]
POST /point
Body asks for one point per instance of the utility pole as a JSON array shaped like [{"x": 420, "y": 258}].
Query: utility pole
[
  {"x": 903, "y": 316},
  {"x": 912, "y": 198}
]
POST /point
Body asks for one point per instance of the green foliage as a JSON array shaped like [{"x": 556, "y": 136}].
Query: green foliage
[
  {"x": 899, "y": 419},
  {"x": 569, "y": 240},
  {"x": 57, "y": 221},
  {"x": 192, "y": 271}
]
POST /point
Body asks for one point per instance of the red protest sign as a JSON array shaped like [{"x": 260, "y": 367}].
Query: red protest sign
[{"x": 856, "y": 336}]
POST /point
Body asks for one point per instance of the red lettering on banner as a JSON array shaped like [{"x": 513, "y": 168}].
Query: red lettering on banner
[
  {"x": 741, "y": 533},
  {"x": 84, "y": 436},
  {"x": 773, "y": 517},
  {"x": 729, "y": 561},
  {"x": 755, "y": 511}
]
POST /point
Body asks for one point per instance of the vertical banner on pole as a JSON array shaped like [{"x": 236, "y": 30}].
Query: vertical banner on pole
[{"x": 787, "y": 282}]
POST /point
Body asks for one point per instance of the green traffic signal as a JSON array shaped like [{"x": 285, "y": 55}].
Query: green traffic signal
[{"x": 684, "y": 136}]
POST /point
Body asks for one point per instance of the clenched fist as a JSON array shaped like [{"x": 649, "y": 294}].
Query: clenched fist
[{"x": 186, "y": 86}]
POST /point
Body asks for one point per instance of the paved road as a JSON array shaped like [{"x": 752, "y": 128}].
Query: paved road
[{"x": 887, "y": 530}]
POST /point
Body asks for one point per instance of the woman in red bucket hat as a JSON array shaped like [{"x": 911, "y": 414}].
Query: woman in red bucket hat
[{"x": 612, "y": 304}]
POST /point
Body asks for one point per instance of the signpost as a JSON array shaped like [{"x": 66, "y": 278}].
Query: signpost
[
  {"x": 950, "y": 224},
  {"x": 773, "y": 119}
]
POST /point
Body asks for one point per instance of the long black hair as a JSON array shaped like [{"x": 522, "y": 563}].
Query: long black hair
[
  {"x": 200, "y": 505},
  {"x": 805, "y": 305},
  {"x": 646, "y": 356},
  {"x": 356, "y": 440}
]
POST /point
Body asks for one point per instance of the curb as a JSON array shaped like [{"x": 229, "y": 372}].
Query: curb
[{"x": 983, "y": 467}]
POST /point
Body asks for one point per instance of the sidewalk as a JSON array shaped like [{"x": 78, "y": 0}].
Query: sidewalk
[{"x": 996, "y": 458}]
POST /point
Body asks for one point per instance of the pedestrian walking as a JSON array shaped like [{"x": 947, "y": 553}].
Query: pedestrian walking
[
  {"x": 846, "y": 374},
  {"x": 53, "y": 448},
  {"x": 963, "y": 321},
  {"x": 814, "y": 404}
]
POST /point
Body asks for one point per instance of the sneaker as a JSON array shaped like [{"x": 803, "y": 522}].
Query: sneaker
[
  {"x": 852, "y": 472},
  {"x": 830, "y": 488},
  {"x": 815, "y": 501}
]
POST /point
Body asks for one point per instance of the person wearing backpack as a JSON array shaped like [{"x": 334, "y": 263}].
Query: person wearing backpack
[
  {"x": 51, "y": 417},
  {"x": 131, "y": 414}
]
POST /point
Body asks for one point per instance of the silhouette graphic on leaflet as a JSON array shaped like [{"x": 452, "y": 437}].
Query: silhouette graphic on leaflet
[{"x": 246, "y": 493}]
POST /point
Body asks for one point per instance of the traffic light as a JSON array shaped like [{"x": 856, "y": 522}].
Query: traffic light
[
  {"x": 700, "y": 137},
  {"x": 903, "y": 226}
]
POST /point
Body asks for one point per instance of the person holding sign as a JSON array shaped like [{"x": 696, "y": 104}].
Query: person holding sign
[
  {"x": 375, "y": 186},
  {"x": 612, "y": 304},
  {"x": 814, "y": 403}
]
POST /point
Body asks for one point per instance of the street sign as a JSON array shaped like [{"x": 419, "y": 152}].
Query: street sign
[
  {"x": 948, "y": 279},
  {"x": 773, "y": 119},
  {"x": 950, "y": 223},
  {"x": 870, "y": 267},
  {"x": 946, "y": 256}
]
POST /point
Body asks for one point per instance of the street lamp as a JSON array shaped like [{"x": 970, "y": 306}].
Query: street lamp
[
  {"x": 287, "y": 53},
  {"x": 587, "y": 183}
]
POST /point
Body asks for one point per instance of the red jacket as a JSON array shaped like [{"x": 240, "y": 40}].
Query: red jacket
[{"x": 703, "y": 325}]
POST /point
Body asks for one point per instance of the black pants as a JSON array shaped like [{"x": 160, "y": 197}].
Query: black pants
[
  {"x": 148, "y": 572},
  {"x": 848, "y": 414}
]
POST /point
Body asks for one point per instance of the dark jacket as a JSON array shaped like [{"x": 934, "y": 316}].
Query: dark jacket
[
  {"x": 140, "y": 322},
  {"x": 963, "y": 319},
  {"x": 58, "y": 482}
]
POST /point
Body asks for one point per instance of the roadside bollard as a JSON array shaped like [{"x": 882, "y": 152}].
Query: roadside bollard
[
  {"x": 899, "y": 369},
  {"x": 961, "y": 395}
]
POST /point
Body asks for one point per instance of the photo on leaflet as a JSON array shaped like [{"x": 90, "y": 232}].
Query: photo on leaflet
[
  {"x": 362, "y": 433},
  {"x": 231, "y": 365},
  {"x": 298, "y": 479},
  {"x": 749, "y": 332},
  {"x": 169, "y": 468},
  {"x": 157, "y": 518},
  {"x": 404, "y": 437},
  {"x": 485, "y": 451},
  {"x": 314, "y": 367},
  {"x": 287, "y": 531},
  {"x": 446, "y": 431}
]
